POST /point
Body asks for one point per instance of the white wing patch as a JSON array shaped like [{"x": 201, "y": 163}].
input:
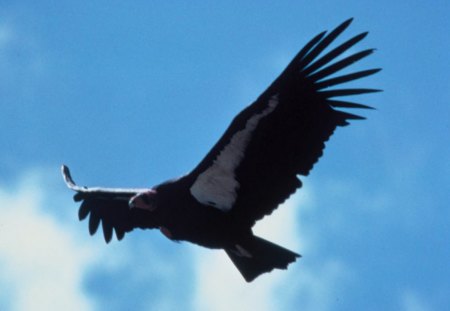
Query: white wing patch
[{"x": 217, "y": 186}]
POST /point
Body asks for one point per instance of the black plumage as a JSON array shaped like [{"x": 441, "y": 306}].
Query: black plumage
[{"x": 251, "y": 170}]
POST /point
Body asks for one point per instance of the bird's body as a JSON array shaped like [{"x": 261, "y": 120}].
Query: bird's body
[
  {"x": 196, "y": 223},
  {"x": 251, "y": 170}
]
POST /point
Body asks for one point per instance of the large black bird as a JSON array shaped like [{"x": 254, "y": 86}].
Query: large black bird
[{"x": 250, "y": 171}]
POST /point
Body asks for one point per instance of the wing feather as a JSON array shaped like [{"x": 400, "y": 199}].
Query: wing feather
[
  {"x": 327, "y": 71},
  {"x": 289, "y": 140},
  {"x": 108, "y": 207}
]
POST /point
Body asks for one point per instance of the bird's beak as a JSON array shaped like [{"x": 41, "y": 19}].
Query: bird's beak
[{"x": 144, "y": 200}]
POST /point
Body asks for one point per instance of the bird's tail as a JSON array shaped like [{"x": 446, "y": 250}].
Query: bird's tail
[{"x": 254, "y": 256}]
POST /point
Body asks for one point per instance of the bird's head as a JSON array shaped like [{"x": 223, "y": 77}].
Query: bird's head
[{"x": 144, "y": 200}]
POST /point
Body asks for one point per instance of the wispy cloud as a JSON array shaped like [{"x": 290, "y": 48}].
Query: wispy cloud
[
  {"x": 307, "y": 286},
  {"x": 412, "y": 301},
  {"x": 23, "y": 61},
  {"x": 5, "y": 35},
  {"x": 42, "y": 261},
  {"x": 48, "y": 263}
]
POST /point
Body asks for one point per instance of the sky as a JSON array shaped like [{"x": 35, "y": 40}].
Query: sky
[{"x": 130, "y": 94}]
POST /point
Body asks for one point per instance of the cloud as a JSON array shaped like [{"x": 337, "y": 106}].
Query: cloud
[
  {"x": 5, "y": 35},
  {"x": 305, "y": 285},
  {"x": 42, "y": 261},
  {"x": 46, "y": 264},
  {"x": 23, "y": 61},
  {"x": 411, "y": 301}
]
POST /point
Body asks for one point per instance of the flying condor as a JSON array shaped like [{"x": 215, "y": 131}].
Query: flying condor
[{"x": 251, "y": 170}]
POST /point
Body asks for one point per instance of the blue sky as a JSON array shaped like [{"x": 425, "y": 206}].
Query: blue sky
[{"x": 133, "y": 94}]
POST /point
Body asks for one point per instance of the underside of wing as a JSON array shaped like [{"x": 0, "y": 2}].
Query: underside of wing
[
  {"x": 255, "y": 165},
  {"x": 108, "y": 207}
]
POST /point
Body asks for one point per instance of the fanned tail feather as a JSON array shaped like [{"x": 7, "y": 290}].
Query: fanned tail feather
[{"x": 255, "y": 256}]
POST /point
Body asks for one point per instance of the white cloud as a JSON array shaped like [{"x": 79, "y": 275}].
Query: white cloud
[
  {"x": 221, "y": 287},
  {"x": 22, "y": 58},
  {"x": 5, "y": 35},
  {"x": 411, "y": 301},
  {"x": 42, "y": 262}
]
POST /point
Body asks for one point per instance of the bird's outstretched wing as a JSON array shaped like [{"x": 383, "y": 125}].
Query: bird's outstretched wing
[
  {"x": 255, "y": 165},
  {"x": 108, "y": 206}
]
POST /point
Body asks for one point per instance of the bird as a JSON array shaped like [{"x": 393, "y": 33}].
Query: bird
[{"x": 253, "y": 168}]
